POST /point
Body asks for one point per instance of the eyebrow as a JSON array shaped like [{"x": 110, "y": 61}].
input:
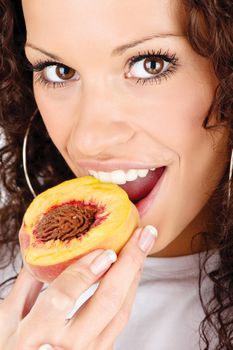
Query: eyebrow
[
  {"x": 121, "y": 49},
  {"x": 57, "y": 58},
  {"x": 118, "y": 50}
]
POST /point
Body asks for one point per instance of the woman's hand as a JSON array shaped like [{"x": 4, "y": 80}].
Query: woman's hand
[{"x": 29, "y": 318}]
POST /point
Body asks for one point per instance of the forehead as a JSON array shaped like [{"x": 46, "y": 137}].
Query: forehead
[{"x": 100, "y": 21}]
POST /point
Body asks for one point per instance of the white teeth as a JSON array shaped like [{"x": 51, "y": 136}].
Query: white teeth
[
  {"x": 105, "y": 177},
  {"x": 94, "y": 173},
  {"x": 131, "y": 175},
  {"x": 143, "y": 172},
  {"x": 119, "y": 177}
]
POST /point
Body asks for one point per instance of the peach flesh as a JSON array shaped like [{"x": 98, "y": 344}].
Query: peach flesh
[
  {"x": 47, "y": 273},
  {"x": 115, "y": 220}
]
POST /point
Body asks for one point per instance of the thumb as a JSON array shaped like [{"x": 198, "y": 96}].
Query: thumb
[{"x": 23, "y": 294}]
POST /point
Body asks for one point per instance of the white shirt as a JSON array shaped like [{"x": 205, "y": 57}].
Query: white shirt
[{"x": 167, "y": 311}]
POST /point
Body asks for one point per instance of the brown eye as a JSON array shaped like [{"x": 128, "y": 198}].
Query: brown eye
[
  {"x": 65, "y": 73},
  {"x": 153, "y": 65}
]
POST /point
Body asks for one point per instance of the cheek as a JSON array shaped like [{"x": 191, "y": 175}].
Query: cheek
[
  {"x": 173, "y": 116},
  {"x": 180, "y": 118},
  {"x": 57, "y": 112},
  {"x": 173, "y": 112}
]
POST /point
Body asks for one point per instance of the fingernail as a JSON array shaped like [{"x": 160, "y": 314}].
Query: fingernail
[
  {"x": 147, "y": 237},
  {"x": 46, "y": 347},
  {"x": 103, "y": 261}
]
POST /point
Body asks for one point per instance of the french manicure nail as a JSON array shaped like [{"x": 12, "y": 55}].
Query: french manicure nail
[
  {"x": 46, "y": 347},
  {"x": 103, "y": 261},
  {"x": 147, "y": 237}
]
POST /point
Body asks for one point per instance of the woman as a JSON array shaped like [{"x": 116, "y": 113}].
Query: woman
[{"x": 123, "y": 86}]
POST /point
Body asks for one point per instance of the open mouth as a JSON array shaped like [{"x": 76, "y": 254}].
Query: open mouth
[{"x": 140, "y": 188}]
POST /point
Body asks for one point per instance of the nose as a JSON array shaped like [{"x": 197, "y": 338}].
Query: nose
[{"x": 101, "y": 124}]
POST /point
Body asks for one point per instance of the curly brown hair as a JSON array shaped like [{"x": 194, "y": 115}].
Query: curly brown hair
[{"x": 47, "y": 168}]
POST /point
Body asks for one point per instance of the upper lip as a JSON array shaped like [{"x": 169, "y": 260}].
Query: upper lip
[{"x": 116, "y": 165}]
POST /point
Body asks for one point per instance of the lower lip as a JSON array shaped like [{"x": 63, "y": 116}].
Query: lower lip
[{"x": 144, "y": 204}]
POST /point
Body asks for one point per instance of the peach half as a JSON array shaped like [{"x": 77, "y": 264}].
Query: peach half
[{"x": 71, "y": 219}]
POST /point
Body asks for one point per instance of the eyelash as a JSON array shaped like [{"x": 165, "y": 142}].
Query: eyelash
[{"x": 166, "y": 56}]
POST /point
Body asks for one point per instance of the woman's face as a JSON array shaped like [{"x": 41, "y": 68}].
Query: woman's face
[{"x": 105, "y": 112}]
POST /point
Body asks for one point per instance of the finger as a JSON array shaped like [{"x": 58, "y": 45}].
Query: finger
[
  {"x": 52, "y": 306},
  {"x": 109, "y": 335},
  {"x": 110, "y": 295},
  {"x": 23, "y": 294},
  {"x": 71, "y": 283}
]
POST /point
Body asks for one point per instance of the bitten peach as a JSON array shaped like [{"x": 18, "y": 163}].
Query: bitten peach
[{"x": 71, "y": 219}]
